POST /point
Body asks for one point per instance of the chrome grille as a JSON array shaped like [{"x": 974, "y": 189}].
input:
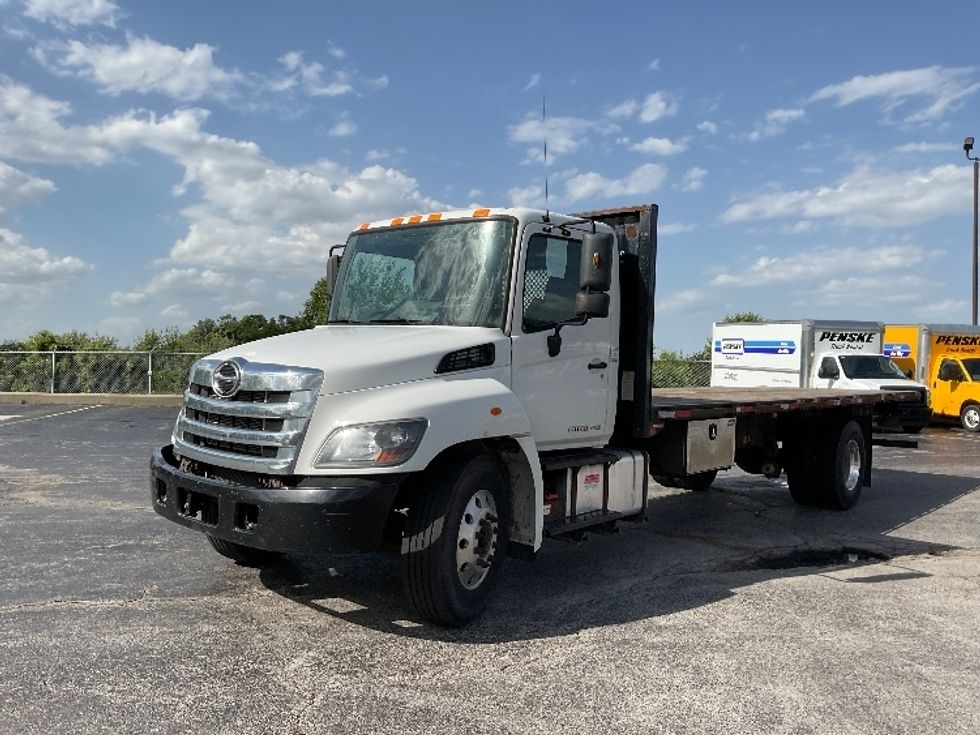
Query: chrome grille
[{"x": 259, "y": 428}]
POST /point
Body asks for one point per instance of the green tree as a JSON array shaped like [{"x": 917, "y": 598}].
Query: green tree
[{"x": 316, "y": 307}]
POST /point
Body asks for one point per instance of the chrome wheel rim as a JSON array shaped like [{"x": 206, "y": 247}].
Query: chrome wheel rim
[
  {"x": 971, "y": 418},
  {"x": 476, "y": 541},
  {"x": 852, "y": 457}
]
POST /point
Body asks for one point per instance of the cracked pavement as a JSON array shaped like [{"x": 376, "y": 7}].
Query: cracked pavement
[{"x": 114, "y": 620}]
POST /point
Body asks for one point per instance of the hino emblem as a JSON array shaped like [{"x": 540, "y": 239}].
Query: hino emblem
[{"x": 227, "y": 379}]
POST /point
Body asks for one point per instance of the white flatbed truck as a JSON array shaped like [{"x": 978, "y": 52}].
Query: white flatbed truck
[{"x": 483, "y": 382}]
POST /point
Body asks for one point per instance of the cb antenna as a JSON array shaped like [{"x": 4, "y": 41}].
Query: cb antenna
[{"x": 544, "y": 135}]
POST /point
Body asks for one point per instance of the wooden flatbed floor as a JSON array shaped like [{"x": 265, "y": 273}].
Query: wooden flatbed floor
[{"x": 695, "y": 403}]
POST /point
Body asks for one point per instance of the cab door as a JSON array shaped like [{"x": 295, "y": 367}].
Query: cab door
[
  {"x": 947, "y": 386},
  {"x": 570, "y": 396}
]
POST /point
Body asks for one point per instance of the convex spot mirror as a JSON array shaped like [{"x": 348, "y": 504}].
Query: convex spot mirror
[{"x": 595, "y": 275}]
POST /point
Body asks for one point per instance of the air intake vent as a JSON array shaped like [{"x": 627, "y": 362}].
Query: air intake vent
[{"x": 468, "y": 359}]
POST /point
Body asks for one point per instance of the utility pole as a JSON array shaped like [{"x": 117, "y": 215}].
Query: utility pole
[{"x": 967, "y": 147}]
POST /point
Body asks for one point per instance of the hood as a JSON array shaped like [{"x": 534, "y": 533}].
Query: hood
[{"x": 355, "y": 357}]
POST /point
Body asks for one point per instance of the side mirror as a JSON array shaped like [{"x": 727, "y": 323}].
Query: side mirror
[
  {"x": 595, "y": 273},
  {"x": 333, "y": 268},
  {"x": 831, "y": 373},
  {"x": 949, "y": 371}
]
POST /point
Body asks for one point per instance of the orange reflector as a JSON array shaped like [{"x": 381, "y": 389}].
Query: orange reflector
[
  {"x": 397, "y": 221},
  {"x": 496, "y": 411},
  {"x": 481, "y": 212},
  {"x": 415, "y": 219},
  {"x": 364, "y": 225},
  {"x": 434, "y": 217}
]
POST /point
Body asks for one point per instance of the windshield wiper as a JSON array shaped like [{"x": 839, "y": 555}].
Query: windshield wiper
[
  {"x": 344, "y": 321},
  {"x": 394, "y": 321}
]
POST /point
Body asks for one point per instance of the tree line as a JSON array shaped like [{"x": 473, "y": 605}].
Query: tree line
[{"x": 205, "y": 336}]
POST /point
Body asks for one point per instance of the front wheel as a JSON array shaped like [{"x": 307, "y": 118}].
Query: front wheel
[
  {"x": 970, "y": 417},
  {"x": 455, "y": 538}
]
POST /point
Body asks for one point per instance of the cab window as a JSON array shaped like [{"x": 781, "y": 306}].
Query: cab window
[{"x": 551, "y": 281}]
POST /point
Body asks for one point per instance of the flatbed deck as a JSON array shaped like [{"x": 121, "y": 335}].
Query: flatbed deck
[{"x": 698, "y": 403}]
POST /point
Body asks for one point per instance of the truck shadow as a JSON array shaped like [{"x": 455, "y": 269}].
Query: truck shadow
[{"x": 696, "y": 549}]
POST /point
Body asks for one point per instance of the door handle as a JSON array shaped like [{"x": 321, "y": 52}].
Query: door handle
[{"x": 597, "y": 365}]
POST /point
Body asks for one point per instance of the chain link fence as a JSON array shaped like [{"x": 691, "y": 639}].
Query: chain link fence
[
  {"x": 95, "y": 372},
  {"x": 681, "y": 373},
  {"x": 166, "y": 372}
]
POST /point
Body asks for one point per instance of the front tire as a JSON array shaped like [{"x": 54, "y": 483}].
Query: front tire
[
  {"x": 247, "y": 556},
  {"x": 970, "y": 417},
  {"x": 455, "y": 539}
]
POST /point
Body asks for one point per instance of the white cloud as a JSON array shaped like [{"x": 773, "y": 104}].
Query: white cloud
[
  {"x": 681, "y": 300},
  {"x": 660, "y": 146},
  {"x": 927, "y": 148},
  {"x": 565, "y": 135},
  {"x": 17, "y": 187},
  {"x": 776, "y": 122},
  {"x": 821, "y": 263},
  {"x": 642, "y": 180},
  {"x": 693, "y": 179},
  {"x": 73, "y": 13},
  {"x": 654, "y": 65},
  {"x": 241, "y": 307},
  {"x": 174, "y": 311},
  {"x": 925, "y": 94},
  {"x": 528, "y": 196},
  {"x": 27, "y": 272},
  {"x": 143, "y": 65},
  {"x": 343, "y": 129},
  {"x": 706, "y": 126},
  {"x": 624, "y": 110},
  {"x": 336, "y": 51},
  {"x": 123, "y": 328},
  {"x": 945, "y": 310},
  {"x": 675, "y": 228},
  {"x": 287, "y": 297},
  {"x": 123, "y": 298},
  {"x": 247, "y": 209},
  {"x": 866, "y": 198},
  {"x": 533, "y": 83},
  {"x": 376, "y": 155},
  {"x": 31, "y": 129},
  {"x": 313, "y": 79},
  {"x": 657, "y": 106}
]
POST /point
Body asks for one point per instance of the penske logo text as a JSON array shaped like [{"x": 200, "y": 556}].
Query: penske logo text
[
  {"x": 847, "y": 337},
  {"x": 957, "y": 340}
]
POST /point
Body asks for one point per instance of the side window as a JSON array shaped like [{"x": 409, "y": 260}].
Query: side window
[{"x": 551, "y": 279}]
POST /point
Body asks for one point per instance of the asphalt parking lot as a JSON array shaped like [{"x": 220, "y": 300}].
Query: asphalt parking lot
[{"x": 728, "y": 611}]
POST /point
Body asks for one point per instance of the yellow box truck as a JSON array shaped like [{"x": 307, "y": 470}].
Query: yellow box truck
[{"x": 946, "y": 357}]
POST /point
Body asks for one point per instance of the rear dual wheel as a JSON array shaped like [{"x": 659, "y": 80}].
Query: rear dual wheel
[{"x": 827, "y": 470}]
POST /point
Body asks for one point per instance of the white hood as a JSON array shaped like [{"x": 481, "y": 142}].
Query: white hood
[{"x": 354, "y": 357}]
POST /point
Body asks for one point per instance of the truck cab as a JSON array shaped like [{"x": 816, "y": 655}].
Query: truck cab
[{"x": 956, "y": 390}]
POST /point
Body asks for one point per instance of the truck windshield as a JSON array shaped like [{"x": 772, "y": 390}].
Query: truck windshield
[
  {"x": 871, "y": 367},
  {"x": 452, "y": 273},
  {"x": 973, "y": 368}
]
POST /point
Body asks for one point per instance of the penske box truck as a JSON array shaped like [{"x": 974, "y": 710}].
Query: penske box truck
[
  {"x": 810, "y": 353},
  {"x": 946, "y": 357},
  {"x": 494, "y": 392}
]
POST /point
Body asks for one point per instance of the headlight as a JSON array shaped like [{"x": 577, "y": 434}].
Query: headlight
[{"x": 371, "y": 445}]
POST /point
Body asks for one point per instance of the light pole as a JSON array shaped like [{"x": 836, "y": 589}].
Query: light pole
[{"x": 967, "y": 147}]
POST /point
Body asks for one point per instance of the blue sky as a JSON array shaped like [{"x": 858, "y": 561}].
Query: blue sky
[{"x": 163, "y": 162}]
